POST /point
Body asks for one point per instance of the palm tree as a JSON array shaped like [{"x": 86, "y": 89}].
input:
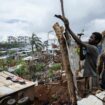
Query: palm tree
[{"x": 36, "y": 43}]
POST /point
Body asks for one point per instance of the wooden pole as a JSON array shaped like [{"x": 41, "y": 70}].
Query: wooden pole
[
  {"x": 62, "y": 8},
  {"x": 64, "y": 51},
  {"x": 69, "y": 75}
]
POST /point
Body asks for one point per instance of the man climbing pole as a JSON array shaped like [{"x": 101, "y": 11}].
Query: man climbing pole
[{"x": 90, "y": 72}]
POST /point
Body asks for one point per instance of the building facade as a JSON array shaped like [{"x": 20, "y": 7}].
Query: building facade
[
  {"x": 19, "y": 39},
  {"x": 11, "y": 39}
]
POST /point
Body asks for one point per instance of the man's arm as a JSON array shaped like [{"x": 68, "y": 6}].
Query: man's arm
[
  {"x": 82, "y": 56},
  {"x": 66, "y": 22}
]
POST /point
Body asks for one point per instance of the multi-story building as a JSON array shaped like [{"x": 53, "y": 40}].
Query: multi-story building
[
  {"x": 11, "y": 39},
  {"x": 19, "y": 39},
  {"x": 27, "y": 39},
  {"x": 23, "y": 39}
]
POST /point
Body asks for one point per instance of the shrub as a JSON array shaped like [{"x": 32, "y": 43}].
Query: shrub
[
  {"x": 55, "y": 67},
  {"x": 22, "y": 71},
  {"x": 50, "y": 73},
  {"x": 39, "y": 67}
]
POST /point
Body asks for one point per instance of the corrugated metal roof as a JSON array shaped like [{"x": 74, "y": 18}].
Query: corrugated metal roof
[{"x": 8, "y": 86}]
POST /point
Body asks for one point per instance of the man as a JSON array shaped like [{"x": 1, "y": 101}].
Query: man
[
  {"x": 101, "y": 69},
  {"x": 90, "y": 56}
]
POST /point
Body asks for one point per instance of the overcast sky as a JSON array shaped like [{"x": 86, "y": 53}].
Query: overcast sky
[{"x": 23, "y": 17}]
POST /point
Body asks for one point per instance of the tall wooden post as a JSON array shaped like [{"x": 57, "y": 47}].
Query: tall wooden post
[
  {"x": 62, "y": 8},
  {"x": 71, "y": 88}
]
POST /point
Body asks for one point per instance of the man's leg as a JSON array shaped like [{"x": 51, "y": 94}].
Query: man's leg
[
  {"x": 90, "y": 84},
  {"x": 103, "y": 80},
  {"x": 86, "y": 83},
  {"x": 94, "y": 82}
]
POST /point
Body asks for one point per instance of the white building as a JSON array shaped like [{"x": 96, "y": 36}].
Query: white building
[
  {"x": 11, "y": 39},
  {"x": 19, "y": 39},
  {"x": 23, "y": 39}
]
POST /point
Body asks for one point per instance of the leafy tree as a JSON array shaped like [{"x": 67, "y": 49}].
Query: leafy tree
[{"x": 36, "y": 43}]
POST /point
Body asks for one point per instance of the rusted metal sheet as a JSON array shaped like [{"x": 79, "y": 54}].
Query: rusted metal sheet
[{"x": 8, "y": 87}]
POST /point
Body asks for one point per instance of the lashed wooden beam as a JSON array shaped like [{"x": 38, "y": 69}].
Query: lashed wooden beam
[{"x": 71, "y": 88}]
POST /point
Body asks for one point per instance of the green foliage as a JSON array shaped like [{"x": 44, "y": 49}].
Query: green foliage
[
  {"x": 3, "y": 65},
  {"x": 39, "y": 67},
  {"x": 55, "y": 67},
  {"x": 22, "y": 71},
  {"x": 11, "y": 52},
  {"x": 34, "y": 69},
  {"x": 2, "y": 53},
  {"x": 36, "y": 43},
  {"x": 50, "y": 73},
  {"x": 7, "y": 45},
  {"x": 20, "y": 61},
  {"x": 11, "y": 62}
]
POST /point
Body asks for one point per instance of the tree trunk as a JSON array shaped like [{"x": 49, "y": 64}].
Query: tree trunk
[
  {"x": 32, "y": 46},
  {"x": 71, "y": 88}
]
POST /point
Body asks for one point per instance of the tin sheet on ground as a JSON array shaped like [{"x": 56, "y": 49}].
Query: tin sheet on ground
[{"x": 93, "y": 100}]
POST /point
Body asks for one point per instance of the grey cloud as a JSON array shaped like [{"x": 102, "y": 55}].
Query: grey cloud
[
  {"x": 29, "y": 16},
  {"x": 12, "y": 21}
]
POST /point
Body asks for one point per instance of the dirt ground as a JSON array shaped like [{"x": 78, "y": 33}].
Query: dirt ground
[{"x": 55, "y": 94}]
